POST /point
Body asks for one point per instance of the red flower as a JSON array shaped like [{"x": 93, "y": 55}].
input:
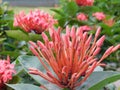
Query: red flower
[
  {"x": 99, "y": 16},
  {"x": 37, "y": 21},
  {"x": 82, "y": 17},
  {"x": 71, "y": 56},
  {"x": 85, "y": 2},
  {"x": 6, "y": 71}
]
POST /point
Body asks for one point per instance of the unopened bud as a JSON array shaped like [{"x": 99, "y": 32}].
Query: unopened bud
[
  {"x": 100, "y": 41},
  {"x": 109, "y": 50},
  {"x": 33, "y": 44},
  {"x": 67, "y": 31},
  {"x": 98, "y": 32},
  {"x": 73, "y": 34},
  {"x": 88, "y": 40},
  {"x": 44, "y": 36},
  {"x": 116, "y": 48},
  {"x": 40, "y": 44},
  {"x": 34, "y": 51},
  {"x": 96, "y": 51}
]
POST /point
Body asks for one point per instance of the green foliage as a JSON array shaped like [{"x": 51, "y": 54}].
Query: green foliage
[
  {"x": 6, "y": 17},
  {"x": 66, "y": 14},
  {"x": 93, "y": 82},
  {"x": 105, "y": 77},
  {"x": 7, "y": 45},
  {"x": 24, "y": 87},
  {"x": 15, "y": 42},
  {"x": 22, "y": 36}
]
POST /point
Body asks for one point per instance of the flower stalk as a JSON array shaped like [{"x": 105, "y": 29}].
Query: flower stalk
[{"x": 71, "y": 55}]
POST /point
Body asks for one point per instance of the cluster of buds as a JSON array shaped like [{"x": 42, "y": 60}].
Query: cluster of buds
[
  {"x": 99, "y": 16},
  {"x": 82, "y": 17},
  {"x": 72, "y": 56},
  {"x": 6, "y": 71},
  {"x": 85, "y": 2},
  {"x": 37, "y": 21},
  {"x": 85, "y": 28}
]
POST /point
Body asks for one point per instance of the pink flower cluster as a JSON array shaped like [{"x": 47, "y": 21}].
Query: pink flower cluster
[
  {"x": 6, "y": 71},
  {"x": 71, "y": 55},
  {"x": 82, "y": 17},
  {"x": 85, "y": 28},
  {"x": 37, "y": 21},
  {"x": 99, "y": 16},
  {"x": 85, "y": 2}
]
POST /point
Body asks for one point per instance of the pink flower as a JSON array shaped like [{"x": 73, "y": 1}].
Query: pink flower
[
  {"x": 85, "y": 2},
  {"x": 71, "y": 55},
  {"x": 82, "y": 17},
  {"x": 37, "y": 21},
  {"x": 99, "y": 16},
  {"x": 85, "y": 28},
  {"x": 6, "y": 71},
  {"x": 109, "y": 22}
]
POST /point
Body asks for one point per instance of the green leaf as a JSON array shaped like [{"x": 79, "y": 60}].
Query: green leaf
[
  {"x": 19, "y": 35},
  {"x": 99, "y": 79},
  {"x": 32, "y": 62},
  {"x": 71, "y": 9},
  {"x": 18, "y": 67},
  {"x": 24, "y": 87},
  {"x": 15, "y": 79},
  {"x": 62, "y": 22},
  {"x": 2, "y": 39},
  {"x": 115, "y": 1},
  {"x": 60, "y": 12},
  {"x": 11, "y": 53}
]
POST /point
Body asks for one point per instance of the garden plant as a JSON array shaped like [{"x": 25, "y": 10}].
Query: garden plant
[{"x": 66, "y": 50}]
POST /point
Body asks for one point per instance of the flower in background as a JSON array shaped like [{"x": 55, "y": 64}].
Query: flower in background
[
  {"x": 85, "y": 28},
  {"x": 71, "y": 55},
  {"x": 85, "y": 2},
  {"x": 109, "y": 22},
  {"x": 99, "y": 16},
  {"x": 82, "y": 17},
  {"x": 6, "y": 71},
  {"x": 37, "y": 21}
]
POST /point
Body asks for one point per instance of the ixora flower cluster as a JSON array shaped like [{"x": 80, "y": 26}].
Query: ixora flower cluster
[
  {"x": 71, "y": 55},
  {"x": 85, "y": 2},
  {"x": 100, "y": 16},
  {"x": 37, "y": 21},
  {"x": 6, "y": 71}
]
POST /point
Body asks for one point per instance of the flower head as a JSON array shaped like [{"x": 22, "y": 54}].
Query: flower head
[
  {"x": 109, "y": 22},
  {"x": 85, "y": 28},
  {"x": 72, "y": 56},
  {"x": 99, "y": 16},
  {"x": 85, "y": 2},
  {"x": 6, "y": 71},
  {"x": 37, "y": 21},
  {"x": 82, "y": 17}
]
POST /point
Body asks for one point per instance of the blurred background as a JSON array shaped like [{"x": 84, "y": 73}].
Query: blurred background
[
  {"x": 32, "y": 3},
  {"x": 27, "y": 5}
]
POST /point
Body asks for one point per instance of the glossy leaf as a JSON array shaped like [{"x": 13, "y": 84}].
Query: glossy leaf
[
  {"x": 71, "y": 8},
  {"x": 24, "y": 87},
  {"x": 32, "y": 62},
  {"x": 19, "y": 35},
  {"x": 100, "y": 79}
]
